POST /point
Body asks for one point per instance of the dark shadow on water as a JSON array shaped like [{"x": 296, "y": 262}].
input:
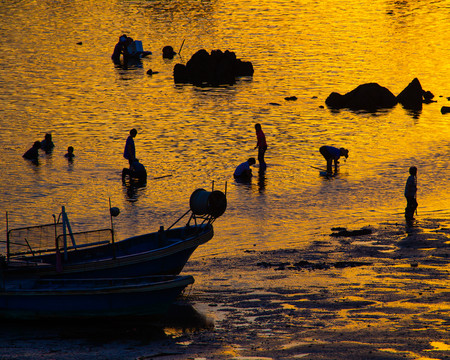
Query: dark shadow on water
[
  {"x": 133, "y": 189},
  {"x": 181, "y": 317},
  {"x": 243, "y": 180},
  {"x": 262, "y": 180},
  {"x": 414, "y": 113}
]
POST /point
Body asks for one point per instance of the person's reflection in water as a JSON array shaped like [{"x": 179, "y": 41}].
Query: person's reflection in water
[
  {"x": 261, "y": 180},
  {"x": 134, "y": 189}
]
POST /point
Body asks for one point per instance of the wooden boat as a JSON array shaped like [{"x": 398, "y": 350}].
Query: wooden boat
[
  {"x": 160, "y": 252},
  {"x": 34, "y": 299}
]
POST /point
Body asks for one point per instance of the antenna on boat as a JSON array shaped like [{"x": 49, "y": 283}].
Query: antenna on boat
[
  {"x": 66, "y": 225},
  {"x": 58, "y": 254},
  {"x": 7, "y": 238}
]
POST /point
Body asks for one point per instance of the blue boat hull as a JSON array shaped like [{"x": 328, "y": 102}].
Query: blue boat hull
[
  {"x": 147, "y": 254},
  {"x": 90, "y": 298}
]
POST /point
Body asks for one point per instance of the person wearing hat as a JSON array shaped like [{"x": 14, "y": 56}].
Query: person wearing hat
[{"x": 331, "y": 153}]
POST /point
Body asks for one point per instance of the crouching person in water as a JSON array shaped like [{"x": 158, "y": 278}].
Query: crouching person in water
[
  {"x": 243, "y": 171},
  {"x": 136, "y": 173},
  {"x": 333, "y": 154},
  {"x": 410, "y": 194}
]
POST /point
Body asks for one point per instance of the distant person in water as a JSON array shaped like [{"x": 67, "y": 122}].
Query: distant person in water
[
  {"x": 243, "y": 171},
  {"x": 261, "y": 144},
  {"x": 410, "y": 194},
  {"x": 119, "y": 49},
  {"x": 47, "y": 144},
  {"x": 135, "y": 172},
  {"x": 70, "y": 155},
  {"x": 331, "y": 153},
  {"x": 168, "y": 52},
  {"x": 129, "y": 152},
  {"x": 33, "y": 152}
]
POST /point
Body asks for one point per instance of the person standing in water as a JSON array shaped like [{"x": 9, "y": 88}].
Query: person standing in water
[
  {"x": 410, "y": 194},
  {"x": 331, "y": 153},
  {"x": 261, "y": 144},
  {"x": 129, "y": 152}
]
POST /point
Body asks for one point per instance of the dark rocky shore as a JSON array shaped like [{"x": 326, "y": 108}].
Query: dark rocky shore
[{"x": 378, "y": 294}]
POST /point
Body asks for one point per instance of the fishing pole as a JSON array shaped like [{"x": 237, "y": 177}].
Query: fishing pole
[{"x": 179, "y": 51}]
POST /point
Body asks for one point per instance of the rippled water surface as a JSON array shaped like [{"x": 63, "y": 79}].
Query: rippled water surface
[{"x": 51, "y": 83}]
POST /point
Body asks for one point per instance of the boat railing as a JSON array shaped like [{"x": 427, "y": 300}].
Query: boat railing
[
  {"x": 86, "y": 239},
  {"x": 39, "y": 240},
  {"x": 32, "y": 239}
]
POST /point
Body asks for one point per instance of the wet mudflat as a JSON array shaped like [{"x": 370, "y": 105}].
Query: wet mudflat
[{"x": 380, "y": 295}]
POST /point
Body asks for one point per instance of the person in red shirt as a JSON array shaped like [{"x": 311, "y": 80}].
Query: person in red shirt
[{"x": 261, "y": 144}]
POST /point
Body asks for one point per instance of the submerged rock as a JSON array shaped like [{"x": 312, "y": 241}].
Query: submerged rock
[
  {"x": 445, "y": 109},
  {"x": 217, "y": 68},
  {"x": 345, "y": 232},
  {"x": 372, "y": 97},
  {"x": 413, "y": 96},
  {"x": 369, "y": 97}
]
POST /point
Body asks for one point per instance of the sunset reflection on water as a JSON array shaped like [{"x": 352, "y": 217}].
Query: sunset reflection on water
[
  {"x": 57, "y": 76},
  {"x": 307, "y": 49}
]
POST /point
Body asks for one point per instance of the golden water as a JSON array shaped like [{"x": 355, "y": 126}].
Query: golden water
[{"x": 307, "y": 49}]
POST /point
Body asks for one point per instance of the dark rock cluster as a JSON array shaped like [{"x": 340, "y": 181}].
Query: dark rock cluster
[
  {"x": 372, "y": 97},
  {"x": 217, "y": 68}
]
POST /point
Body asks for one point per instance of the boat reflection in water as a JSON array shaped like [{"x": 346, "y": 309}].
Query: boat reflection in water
[{"x": 33, "y": 299}]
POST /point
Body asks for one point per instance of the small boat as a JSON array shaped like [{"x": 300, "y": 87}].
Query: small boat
[
  {"x": 36, "y": 299},
  {"x": 46, "y": 250}
]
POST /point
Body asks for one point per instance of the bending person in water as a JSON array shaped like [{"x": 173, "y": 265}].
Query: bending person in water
[
  {"x": 243, "y": 171},
  {"x": 410, "y": 194},
  {"x": 331, "y": 153},
  {"x": 136, "y": 172}
]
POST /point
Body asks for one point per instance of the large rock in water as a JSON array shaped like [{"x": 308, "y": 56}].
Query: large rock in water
[
  {"x": 368, "y": 97},
  {"x": 413, "y": 96},
  {"x": 217, "y": 68}
]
